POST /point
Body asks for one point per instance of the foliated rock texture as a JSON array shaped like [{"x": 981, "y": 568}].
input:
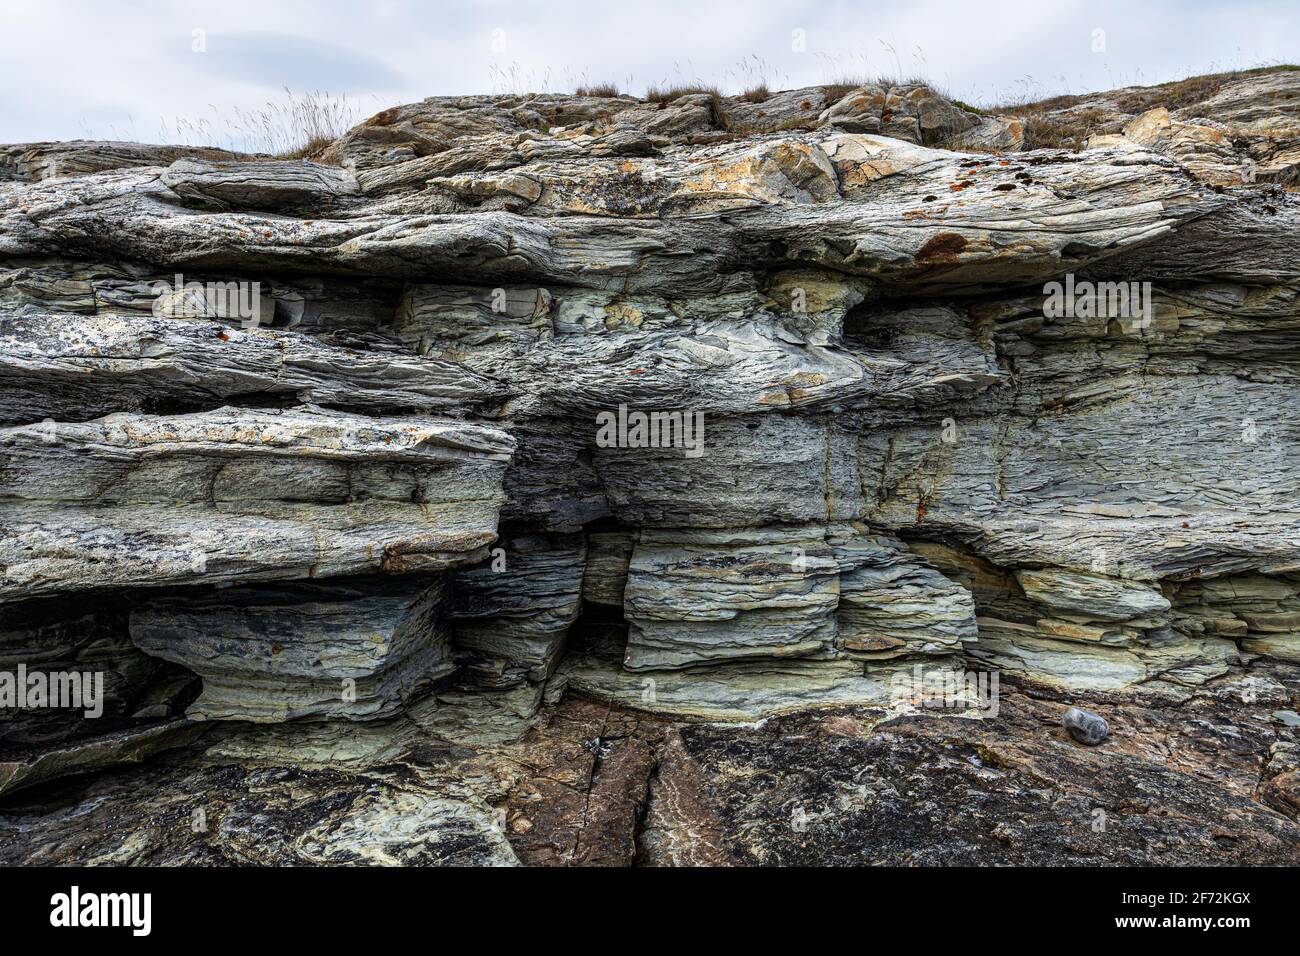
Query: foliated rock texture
[
  {"x": 234, "y": 494},
  {"x": 270, "y": 654},
  {"x": 699, "y": 596},
  {"x": 522, "y": 427},
  {"x": 512, "y": 616},
  {"x": 66, "y": 366}
]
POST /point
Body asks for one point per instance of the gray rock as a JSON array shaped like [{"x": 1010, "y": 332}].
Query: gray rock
[
  {"x": 267, "y": 185},
  {"x": 892, "y": 603},
  {"x": 698, "y": 596},
  {"x": 31, "y": 162},
  {"x": 96, "y": 751},
  {"x": 59, "y": 366},
  {"x": 512, "y": 614},
  {"x": 267, "y": 654},
  {"x": 907, "y": 459},
  {"x": 743, "y": 691},
  {"x": 242, "y": 495},
  {"x": 1085, "y": 726},
  {"x": 609, "y": 555},
  {"x": 212, "y": 814}
]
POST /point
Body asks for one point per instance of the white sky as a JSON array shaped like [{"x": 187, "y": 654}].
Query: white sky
[{"x": 126, "y": 70}]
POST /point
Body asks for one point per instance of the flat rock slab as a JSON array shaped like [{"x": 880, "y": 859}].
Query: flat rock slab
[
  {"x": 740, "y": 691},
  {"x": 125, "y": 745},
  {"x": 242, "y": 495},
  {"x": 72, "y": 367},
  {"x": 274, "y": 653}
]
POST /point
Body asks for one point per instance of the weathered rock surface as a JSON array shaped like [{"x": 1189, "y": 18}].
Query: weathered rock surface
[
  {"x": 30, "y": 162},
  {"x": 242, "y": 495},
  {"x": 743, "y": 691},
  {"x": 377, "y": 567},
  {"x": 269, "y": 654},
  {"x": 1226, "y": 129},
  {"x": 1189, "y": 784},
  {"x": 699, "y": 596},
  {"x": 511, "y": 617},
  {"x": 1195, "y": 780},
  {"x": 62, "y": 367}
]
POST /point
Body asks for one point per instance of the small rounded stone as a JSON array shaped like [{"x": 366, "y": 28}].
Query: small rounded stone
[{"x": 1085, "y": 726}]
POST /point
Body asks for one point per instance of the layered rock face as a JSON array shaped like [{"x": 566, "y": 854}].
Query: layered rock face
[{"x": 705, "y": 409}]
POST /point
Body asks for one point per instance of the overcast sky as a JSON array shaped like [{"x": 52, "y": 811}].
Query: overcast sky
[{"x": 134, "y": 70}]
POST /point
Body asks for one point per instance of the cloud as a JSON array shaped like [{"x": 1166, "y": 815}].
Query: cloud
[
  {"x": 72, "y": 66},
  {"x": 298, "y": 62}
]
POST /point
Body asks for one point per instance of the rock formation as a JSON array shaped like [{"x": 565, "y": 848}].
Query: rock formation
[{"x": 488, "y": 482}]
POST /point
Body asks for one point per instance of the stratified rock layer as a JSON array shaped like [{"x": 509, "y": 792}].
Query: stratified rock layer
[
  {"x": 557, "y": 422},
  {"x": 267, "y": 654}
]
